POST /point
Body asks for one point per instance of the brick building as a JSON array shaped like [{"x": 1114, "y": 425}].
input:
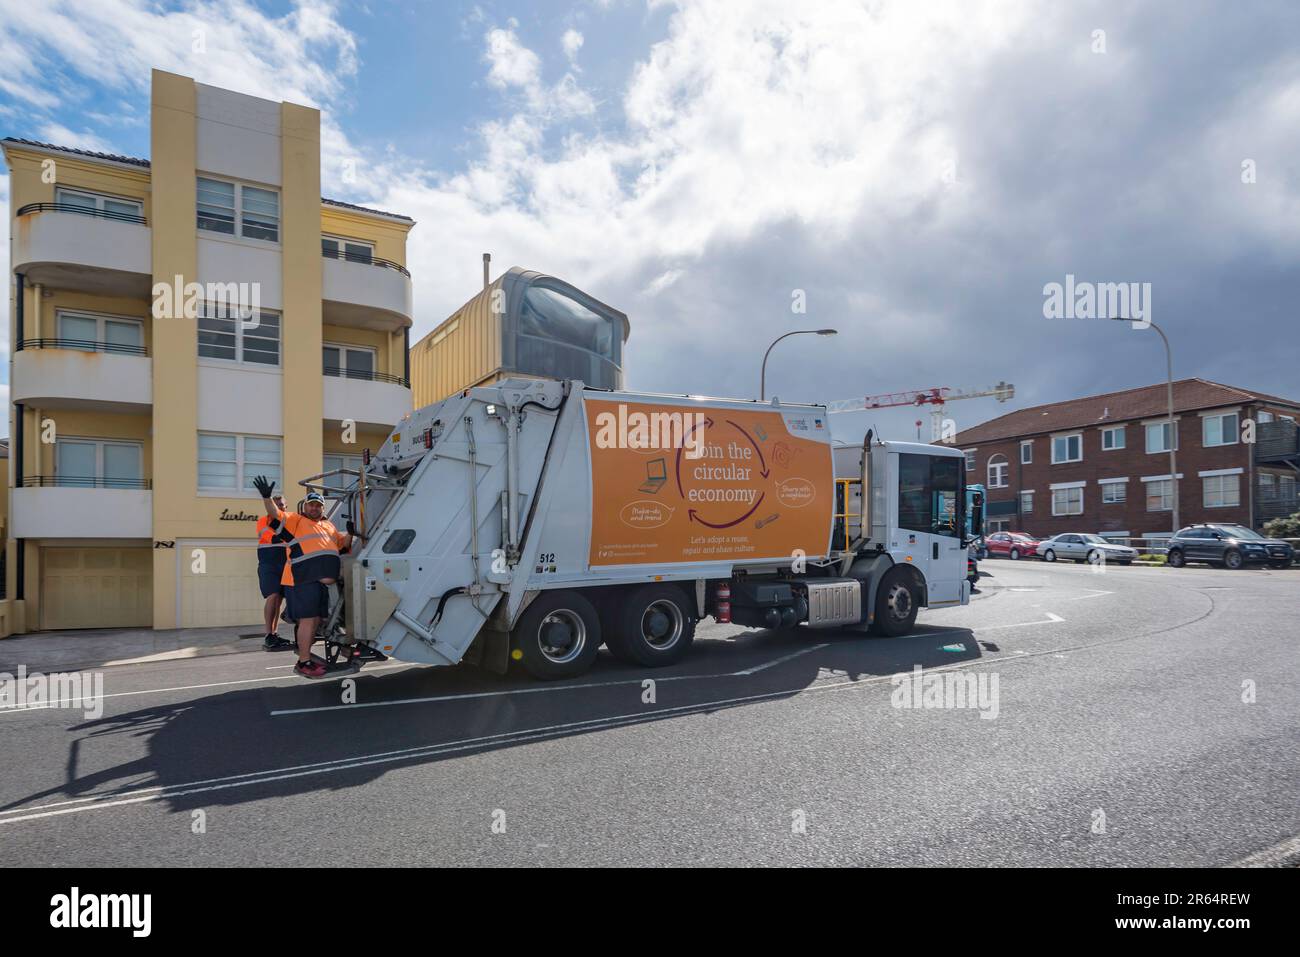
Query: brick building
[{"x": 1101, "y": 463}]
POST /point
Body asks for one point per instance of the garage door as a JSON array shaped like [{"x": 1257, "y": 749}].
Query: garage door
[
  {"x": 226, "y": 591},
  {"x": 96, "y": 588}
]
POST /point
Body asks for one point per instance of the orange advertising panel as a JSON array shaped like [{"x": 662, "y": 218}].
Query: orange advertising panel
[{"x": 697, "y": 484}]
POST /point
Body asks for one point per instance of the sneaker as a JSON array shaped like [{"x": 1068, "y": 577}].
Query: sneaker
[
  {"x": 310, "y": 669},
  {"x": 276, "y": 643}
]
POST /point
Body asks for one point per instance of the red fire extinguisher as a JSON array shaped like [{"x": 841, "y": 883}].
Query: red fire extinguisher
[{"x": 722, "y": 604}]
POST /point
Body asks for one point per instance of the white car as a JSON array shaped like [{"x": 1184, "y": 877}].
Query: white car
[{"x": 1085, "y": 548}]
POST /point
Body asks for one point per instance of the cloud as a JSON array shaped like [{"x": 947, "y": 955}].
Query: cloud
[{"x": 572, "y": 43}]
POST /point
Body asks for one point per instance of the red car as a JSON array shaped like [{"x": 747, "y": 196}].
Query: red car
[{"x": 1011, "y": 545}]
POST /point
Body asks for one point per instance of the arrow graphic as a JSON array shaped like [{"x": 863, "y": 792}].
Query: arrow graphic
[
  {"x": 763, "y": 470},
  {"x": 694, "y": 516}
]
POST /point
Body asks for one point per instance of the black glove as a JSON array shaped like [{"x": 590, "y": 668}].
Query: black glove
[
  {"x": 352, "y": 530},
  {"x": 263, "y": 485}
]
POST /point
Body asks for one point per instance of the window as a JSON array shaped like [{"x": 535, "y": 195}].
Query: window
[
  {"x": 1026, "y": 453},
  {"x": 1067, "y": 448},
  {"x": 1160, "y": 496},
  {"x": 238, "y": 210},
  {"x": 1219, "y": 429},
  {"x": 1114, "y": 493},
  {"x": 1026, "y": 503},
  {"x": 336, "y": 247},
  {"x": 1263, "y": 417},
  {"x": 223, "y": 334},
  {"x": 1112, "y": 438},
  {"x": 998, "y": 468},
  {"x": 87, "y": 332},
  {"x": 110, "y": 206},
  {"x": 553, "y": 317},
  {"x": 98, "y": 463},
  {"x": 350, "y": 362},
  {"x": 1158, "y": 437},
  {"x": 928, "y": 499},
  {"x": 1221, "y": 491},
  {"x": 970, "y": 459},
  {"x": 227, "y": 463},
  {"x": 1067, "y": 501}
]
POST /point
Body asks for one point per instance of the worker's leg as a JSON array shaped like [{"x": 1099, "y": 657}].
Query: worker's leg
[
  {"x": 306, "y": 635},
  {"x": 271, "y": 613}
]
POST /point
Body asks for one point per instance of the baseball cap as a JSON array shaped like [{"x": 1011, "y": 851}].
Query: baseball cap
[{"x": 315, "y": 497}]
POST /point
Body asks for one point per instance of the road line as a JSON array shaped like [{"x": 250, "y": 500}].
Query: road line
[
  {"x": 1278, "y": 855},
  {"x": 757, "y": 668},
  {"x": 64, "y": 702},
  {"x": 1095, "y": 594},
  {"x": 1051, "y": 620}
]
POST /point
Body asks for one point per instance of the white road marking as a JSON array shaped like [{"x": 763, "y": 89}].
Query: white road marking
[
  {"x": 1095, "y": 594},
  {"x": 63, "y": 702},
  {"x": 1050, "y": 620},
  {"x": 1278, "y": 855},
  {"x": 778, "y": 661}
]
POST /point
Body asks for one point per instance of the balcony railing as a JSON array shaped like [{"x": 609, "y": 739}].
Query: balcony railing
[
  {"x": 74, "y": 208},
  {"x": 365, "y": 260},
  {"x": 84, "y": 345},
  {"x": 83, "y": 481},
  {"x": 366, "y": 375}
]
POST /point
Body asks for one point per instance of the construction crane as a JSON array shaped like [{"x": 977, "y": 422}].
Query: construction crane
[{"x": 919, "y": 397}]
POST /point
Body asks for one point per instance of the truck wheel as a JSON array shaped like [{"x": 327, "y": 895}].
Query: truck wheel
[
  {"x": 655, "y": 627},
  {"x": 896, "y": 606},
  {"x": 558, "y": 636}
]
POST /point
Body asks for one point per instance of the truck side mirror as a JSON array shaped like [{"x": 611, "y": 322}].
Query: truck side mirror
[{"x": 977, "y": 515}]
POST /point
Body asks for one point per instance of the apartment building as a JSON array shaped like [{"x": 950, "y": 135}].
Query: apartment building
[
  {"x": 1101, "y": 463},
  {"x": 179, "y": 325}
]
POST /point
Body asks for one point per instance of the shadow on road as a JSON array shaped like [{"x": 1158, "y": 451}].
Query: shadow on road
[{"x": 229, "y": 748}]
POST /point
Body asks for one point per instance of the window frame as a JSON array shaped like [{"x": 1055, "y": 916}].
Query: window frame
[
  {"x": 343, "y": 242},
  {"x": 1067, "y": 512},
  {"x": 98, "y": 478},
  {"x": 1027, "y": 446},
  {"x": 1161, "y": 425},
  {"x": 345, "y": 347},
  {"x": 240, "y": 329},
  {"x": 1027, "y": 509},
  {"x": 238, "y": 211},
  {"x": 101, "y": 321},
  {"x": 1236, "y": 488},
  {"x": 240, "y": 462},
  {"x": 1169, "y": 496},
  {"x": 1111, "y": 430},
  {"x": 100, "y": 199},
  {"x": 1110, "y": 498},
  {"x": 1219, "y": 417},
  {"x": 1078, "y": 436},
  {"x": 969, "y": 456},
  {"x": 1004, "y": 471}
]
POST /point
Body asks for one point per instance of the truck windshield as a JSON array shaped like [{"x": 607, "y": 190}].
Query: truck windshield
[
  {"x": 551, "y": 315},
  {"x": 929, "y": 487}
]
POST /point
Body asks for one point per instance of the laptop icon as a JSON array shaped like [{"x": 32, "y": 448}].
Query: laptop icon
[{"x": 656, "y": 474}]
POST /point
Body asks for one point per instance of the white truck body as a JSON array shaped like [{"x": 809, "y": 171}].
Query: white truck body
[{"x": 477, "y": 506}]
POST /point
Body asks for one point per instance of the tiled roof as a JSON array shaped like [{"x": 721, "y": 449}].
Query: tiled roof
[
  {"x": 1141, "y": 403},
  {"x": 144, "y": 164}
]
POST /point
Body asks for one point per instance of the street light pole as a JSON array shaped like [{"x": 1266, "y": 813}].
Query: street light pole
[
  {"x": 1173, "y": 429},
  {"x": 762, "y": 379}
]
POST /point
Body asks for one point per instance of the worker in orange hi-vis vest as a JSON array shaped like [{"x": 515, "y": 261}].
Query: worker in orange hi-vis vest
[
  {"x": 272, "y": 557},
  {"x": 314, "y": 547}
]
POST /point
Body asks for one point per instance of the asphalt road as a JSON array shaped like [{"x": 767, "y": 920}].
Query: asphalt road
[{"x": 1119, "y": 700}]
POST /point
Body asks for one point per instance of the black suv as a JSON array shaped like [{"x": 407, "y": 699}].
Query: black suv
[{"x": 1231, "y": 546}]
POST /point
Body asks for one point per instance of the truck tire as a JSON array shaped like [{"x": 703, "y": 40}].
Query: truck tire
[
  {"x": 557, "y": 637},
  {"x": 896, "y": 606},
  {"x": 655, "y": 626}
]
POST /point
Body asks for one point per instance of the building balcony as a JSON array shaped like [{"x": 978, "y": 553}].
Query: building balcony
[
  {"x": 1277, "y": 443},
  {"x": 366, "y": 293},
  {"x": 49, "y": 506},
  {"x": 370, "y": 399},
  {"x": 92, "y": 251},
  {"x": 82, "y": 374}
]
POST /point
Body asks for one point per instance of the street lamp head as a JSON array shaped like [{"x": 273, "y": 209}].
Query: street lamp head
[{"x": 827, "y": 332}]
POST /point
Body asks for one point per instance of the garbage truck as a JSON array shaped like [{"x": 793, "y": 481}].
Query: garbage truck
[{"x": 532, "y": 521}]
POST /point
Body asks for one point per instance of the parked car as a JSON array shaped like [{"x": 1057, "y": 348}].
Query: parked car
[
  {"x": 1231, "y": 546},
  {"x": 1013, "y": 545},
  {"x": 1084, "y": 547}
]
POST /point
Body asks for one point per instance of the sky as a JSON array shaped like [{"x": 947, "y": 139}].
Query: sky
[{"x": 911, "y": 174}]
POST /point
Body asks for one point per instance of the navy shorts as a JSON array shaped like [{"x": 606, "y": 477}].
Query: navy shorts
[
  {"x": 268, "y": 577},
  {"x": 311, "y": 600}
]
